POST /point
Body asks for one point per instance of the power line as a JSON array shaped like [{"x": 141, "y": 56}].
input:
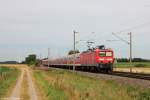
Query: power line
[
  {"x": 128, "y": 42},
  {"x": 135, "y": 27},
  {"x": 120, "y": 38}
]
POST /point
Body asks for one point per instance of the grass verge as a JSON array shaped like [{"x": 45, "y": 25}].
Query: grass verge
[
  {"x": 76, "y": 87},
  {"x": 8, "y": 77},
  {"x": 49, "y": 91}
]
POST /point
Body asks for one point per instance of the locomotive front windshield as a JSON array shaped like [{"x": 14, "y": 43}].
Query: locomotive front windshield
[{"x": 105, "y": 54}]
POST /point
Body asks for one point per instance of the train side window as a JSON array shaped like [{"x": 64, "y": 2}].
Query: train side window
[{"x": 78, "y": 57}]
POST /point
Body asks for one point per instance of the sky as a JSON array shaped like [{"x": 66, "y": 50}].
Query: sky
[{"x": 33, "y": 26}]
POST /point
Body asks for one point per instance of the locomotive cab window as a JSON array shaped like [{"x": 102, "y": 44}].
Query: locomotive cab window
[
  {"x": 102, "y": 54},
  {"x": 105, "y": 54},
  {"x": 108, "y": 53}
]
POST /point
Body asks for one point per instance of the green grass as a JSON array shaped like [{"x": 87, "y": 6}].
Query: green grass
[
  {"x": 77, "y": 87},
  {"x": 133, "y": 64},
  {"x": 8, "y": 77},
  {"x": 50, "y": 92}
]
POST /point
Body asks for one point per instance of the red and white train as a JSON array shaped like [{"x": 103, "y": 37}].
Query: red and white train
[{"x": 99, "y": 59}]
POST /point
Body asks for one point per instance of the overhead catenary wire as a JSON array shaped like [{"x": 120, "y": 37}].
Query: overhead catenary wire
[
  {"x": 120, "y": 38},
  {"x": 135, "y": 27},
  {"x": 121, "y": 31}
]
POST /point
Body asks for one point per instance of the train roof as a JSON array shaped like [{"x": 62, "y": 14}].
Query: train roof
[{"x": 95, "y": 49}]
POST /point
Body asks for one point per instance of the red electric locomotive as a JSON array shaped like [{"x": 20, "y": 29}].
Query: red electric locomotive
[{"x": 98, "y": 58}]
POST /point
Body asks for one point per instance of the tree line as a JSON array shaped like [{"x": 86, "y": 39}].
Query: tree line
[
  {"x": 9, "y": 62},
  {"x": 133, "y": 60}
]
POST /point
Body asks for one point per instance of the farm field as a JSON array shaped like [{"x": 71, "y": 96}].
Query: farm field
[
  {"x": 133, "y": 64},
  {"x": 137, "y": 67},
  {"x": 64, "y": 85},
  {"x": 134, "y": 70},
  {"x": 14, "y": 65},
  {"x": 8, "y": 77}
]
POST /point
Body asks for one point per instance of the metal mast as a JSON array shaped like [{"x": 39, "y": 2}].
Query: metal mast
[
  {"x": 74, "y": 47},
  {"x": 48, "y": 56},
  {"x": 130, "y": 50},
  {"x": 129, "y": 43}
]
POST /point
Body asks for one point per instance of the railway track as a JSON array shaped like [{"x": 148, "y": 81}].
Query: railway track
[
  {"x": 131, "y": 75},
  {"x": 121, "y": 74},
  {"x": 125, "y": 74}
]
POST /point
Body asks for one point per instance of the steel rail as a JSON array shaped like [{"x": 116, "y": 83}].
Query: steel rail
[
  {"x": 131, "y": 75},
  {"x": 142, "y": 76}
]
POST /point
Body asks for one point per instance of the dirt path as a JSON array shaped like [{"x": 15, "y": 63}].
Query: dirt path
[
  {"x": 16, "y": 93},
  {"x": 32, "y": 91}
]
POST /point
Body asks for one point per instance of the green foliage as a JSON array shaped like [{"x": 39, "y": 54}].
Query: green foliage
[
  {"x": 140, "y": 60},
  {"x": 32, "y": 60},
  {"x": 8, "y": 77},
  {"x": 140, "y": 65},
  {"x": 145, "y": 95},
  {"x": 133, "y": 60},
  {"x": 72, "y": 52},
  {"x": 9, "y": 62},
  {"x": 133, "y": 64},
  {"x": 81, "y": 87},
  {"x": 51, "y": 92},
  {"x": 122, "y": 60}
]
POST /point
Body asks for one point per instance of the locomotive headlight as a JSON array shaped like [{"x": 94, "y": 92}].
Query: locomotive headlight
[
  {"x": 101, "y": 59},
  {"x": 109, "y": 59}
]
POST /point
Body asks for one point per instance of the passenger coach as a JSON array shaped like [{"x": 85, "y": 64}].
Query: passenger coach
[{"x": 99, "y": 58}]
